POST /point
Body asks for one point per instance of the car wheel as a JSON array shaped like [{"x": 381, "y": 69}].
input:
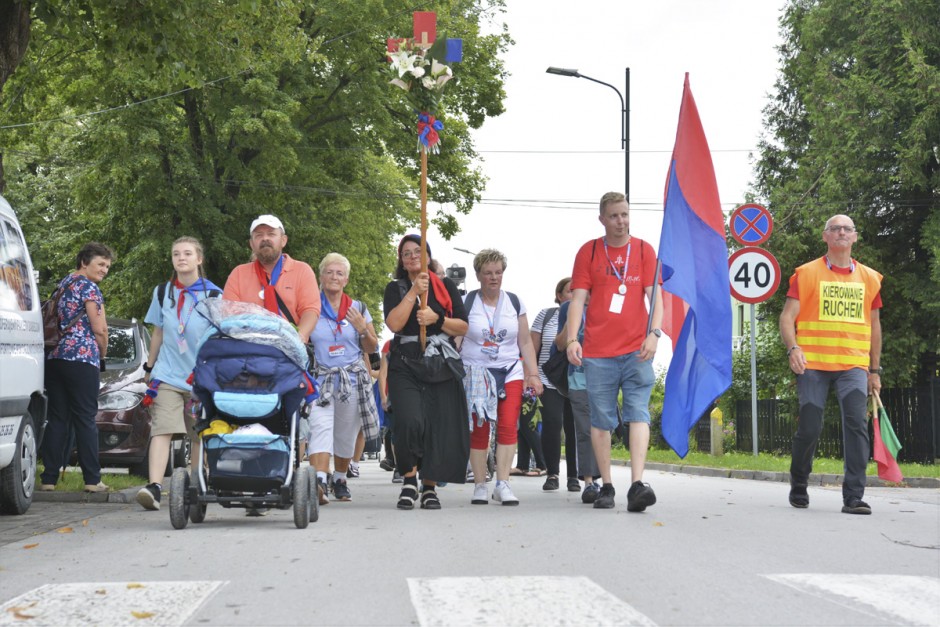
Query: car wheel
[
  {"x": 182, "y": 452},
  {"x": 18, "y": 480}
]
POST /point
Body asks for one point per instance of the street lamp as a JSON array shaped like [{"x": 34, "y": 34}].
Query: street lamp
[{"x": 624, "y": 116}]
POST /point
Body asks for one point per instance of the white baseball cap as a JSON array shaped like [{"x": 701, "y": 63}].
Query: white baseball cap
[{"x": 267, "y": 220}]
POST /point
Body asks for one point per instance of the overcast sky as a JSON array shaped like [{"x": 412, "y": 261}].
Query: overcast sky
[{"x": 557, "y": 148}]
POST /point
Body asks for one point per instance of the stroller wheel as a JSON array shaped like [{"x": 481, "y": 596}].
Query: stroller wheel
[
  {"x": 179, "y": 509},
  {"x": 301, "y": 494},
  {"x": 197, "y": 510}
]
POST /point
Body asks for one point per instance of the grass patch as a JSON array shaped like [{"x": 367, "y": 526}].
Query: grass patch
[
  {"x": 764, "y": 461},
  {"x": 72, "y": 481}
]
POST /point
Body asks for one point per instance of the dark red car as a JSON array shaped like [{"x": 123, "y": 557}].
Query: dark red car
[{"x": 123, "y": 422}]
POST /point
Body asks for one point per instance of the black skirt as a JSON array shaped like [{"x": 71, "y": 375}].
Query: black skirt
[{"x": 431, "y": 428}]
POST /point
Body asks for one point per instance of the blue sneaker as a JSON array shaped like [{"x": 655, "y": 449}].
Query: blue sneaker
[{"x": 590, "y": 492}]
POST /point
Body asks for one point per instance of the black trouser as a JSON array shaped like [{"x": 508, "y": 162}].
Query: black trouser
[
  {"x": 72, "y": 387},
  {"x": 851, "y": 388},
  {"x": 556, "y": 414}
]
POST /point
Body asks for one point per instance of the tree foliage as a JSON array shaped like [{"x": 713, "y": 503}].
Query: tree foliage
[
  {"x": 213, "y": 113},
  {"x": 854, "y": 128}
]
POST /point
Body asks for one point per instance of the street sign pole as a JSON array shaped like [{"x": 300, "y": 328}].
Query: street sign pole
[
  {"x": 754, "y": 275},
  {"x": 754, "y": 379}
]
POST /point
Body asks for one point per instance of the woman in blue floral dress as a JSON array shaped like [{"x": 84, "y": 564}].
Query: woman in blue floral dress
[{"x": 73, "y": 370}]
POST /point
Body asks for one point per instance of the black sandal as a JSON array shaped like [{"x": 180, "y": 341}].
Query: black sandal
[
  {"x": 429, "y": 498},
  {"x": 408, "y": 496}
]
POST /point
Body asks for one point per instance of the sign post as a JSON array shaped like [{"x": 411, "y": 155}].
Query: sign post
[{"x": 755, "y": 275}]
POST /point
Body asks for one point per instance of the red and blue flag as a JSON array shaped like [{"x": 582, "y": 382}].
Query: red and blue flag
[{"x": 696, "y": 290}]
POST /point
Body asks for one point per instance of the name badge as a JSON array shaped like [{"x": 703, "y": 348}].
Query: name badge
[
  {"x": 616, "y": 303},
  {"x": 337, "y": 351},
  {"x": 182, "y": 345}
]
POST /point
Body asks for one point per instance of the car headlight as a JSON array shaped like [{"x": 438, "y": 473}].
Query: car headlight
[{"x": 118, "y": 401}]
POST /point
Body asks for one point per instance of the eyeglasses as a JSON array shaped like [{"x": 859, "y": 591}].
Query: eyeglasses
[
  {"x": 411, "y": 254},
  {"x": 844, "y": 229}
]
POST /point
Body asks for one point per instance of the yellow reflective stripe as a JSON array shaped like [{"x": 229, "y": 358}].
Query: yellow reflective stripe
[
  {"x": 838, "y": 342},
  {"x": 848, "y": 360},
  {"x": 840, "y": 327}
]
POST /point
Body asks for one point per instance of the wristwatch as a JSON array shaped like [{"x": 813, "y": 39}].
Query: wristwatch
[
  {"x": 878, "y": 371},
  {"x": 657, "y": 332}
]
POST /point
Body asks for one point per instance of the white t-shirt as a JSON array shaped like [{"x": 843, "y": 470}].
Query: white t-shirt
[{"x": 492, "y": 341}]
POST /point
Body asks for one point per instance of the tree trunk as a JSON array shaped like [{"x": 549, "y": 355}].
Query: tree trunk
[{"x": 14, "y": 37}]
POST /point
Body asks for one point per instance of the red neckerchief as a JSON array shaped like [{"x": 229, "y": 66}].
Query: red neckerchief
[
  {"x": 441, "y": 295},
  {"x": 179, "y": 305},
  {"x": 270, "y": 296}
]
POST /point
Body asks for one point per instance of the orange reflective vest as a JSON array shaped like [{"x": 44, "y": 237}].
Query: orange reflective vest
[{"x": 834, "y": 324}]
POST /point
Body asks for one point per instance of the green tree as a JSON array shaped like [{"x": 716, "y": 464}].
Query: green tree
[
  {"x": 854, "y": 128},
  {"x": 273, "y": 108}
]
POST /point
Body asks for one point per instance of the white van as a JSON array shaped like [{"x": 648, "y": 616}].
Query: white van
[{"x": 22, "y": 361}]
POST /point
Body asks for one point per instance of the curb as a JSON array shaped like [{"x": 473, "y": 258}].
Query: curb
[
  {"x": 781, "y": 477},
  {"x": 120, "y": 497}
]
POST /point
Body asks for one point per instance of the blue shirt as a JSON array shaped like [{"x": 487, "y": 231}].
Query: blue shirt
[
  {"x": 78, "y": 343},
  {"x": 576, "y": 379},
  {"x": 337, "y": 346},
  {"x": 177, "y": 356}
]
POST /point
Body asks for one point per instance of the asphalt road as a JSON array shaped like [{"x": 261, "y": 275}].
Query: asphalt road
[{"x": 712, "y": 551}]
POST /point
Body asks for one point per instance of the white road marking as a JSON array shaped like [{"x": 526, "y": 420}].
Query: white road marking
[
  {"x": 910, "y": 599},
  {"x": 111, "y": 603},
  {"x": 518, "y": 601}
]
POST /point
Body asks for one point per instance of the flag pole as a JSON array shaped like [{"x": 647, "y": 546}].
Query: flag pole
[
  {"x": 423, "y": 333},
  {"x": 649, "y": 323}
]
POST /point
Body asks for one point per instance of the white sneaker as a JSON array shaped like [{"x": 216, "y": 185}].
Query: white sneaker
[
  {"x": 479, "y": 494},
  {"x": 503, "y": 494}
]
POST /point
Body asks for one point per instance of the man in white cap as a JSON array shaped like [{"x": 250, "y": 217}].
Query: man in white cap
[{"x": 273, "y": 280}]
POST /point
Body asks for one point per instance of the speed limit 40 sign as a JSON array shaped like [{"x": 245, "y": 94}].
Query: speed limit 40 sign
[{"x": 754, "y": 275}]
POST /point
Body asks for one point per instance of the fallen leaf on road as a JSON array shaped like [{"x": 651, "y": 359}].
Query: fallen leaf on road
[
  {"x": 131, "y": 586},
  {"x": 64, "y": 530},
  {"x": 18, "y": 611},
  {"x": 658, "y": 524},
  {"x": 30, "y": 546},
  {"x": 85, "y": 523},
  {"x": 102, "y": 591},
  {"x": 142, "y": 614}
]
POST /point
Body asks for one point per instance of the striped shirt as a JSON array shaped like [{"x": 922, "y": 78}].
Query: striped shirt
[{"x": 548, "y": 337}]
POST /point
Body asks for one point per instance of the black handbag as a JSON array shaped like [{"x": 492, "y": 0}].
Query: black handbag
[{"x": 556, "y": 371}]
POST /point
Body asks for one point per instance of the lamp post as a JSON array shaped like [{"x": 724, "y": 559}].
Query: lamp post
[{"x": 624, "y": 116}]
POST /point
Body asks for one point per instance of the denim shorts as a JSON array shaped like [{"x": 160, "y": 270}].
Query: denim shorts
[{"x": 609, "y": 376}]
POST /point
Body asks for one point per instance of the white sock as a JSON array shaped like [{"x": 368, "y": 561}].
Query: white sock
[{"x": 321, "y": 476}]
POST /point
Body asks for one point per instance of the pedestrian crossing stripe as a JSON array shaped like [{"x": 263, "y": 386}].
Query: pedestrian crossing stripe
[
  {"x": 540, "y": 601},
  {"x": 165, "y": 603},
  {"x": 910, "y": 599}
]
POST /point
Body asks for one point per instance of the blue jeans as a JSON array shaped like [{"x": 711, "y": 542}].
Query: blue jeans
[{"x": 609, "y": 376}]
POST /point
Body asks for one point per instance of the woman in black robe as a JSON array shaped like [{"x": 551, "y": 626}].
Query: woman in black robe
[{"x": 431, "y": 430}]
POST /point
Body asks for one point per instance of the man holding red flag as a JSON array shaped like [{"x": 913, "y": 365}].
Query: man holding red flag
[
  {"x": 273, "y": 280},
  {"x": 831, "y": 326}
]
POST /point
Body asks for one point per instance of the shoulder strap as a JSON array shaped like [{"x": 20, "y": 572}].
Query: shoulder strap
[
  {"x": 161, "y": 293},
  {"x": 284, "y": 309},
  {"x": 468, "y": 300},
  {"x": 551, "y": 312},
  {"x": 515, "y": 302}
]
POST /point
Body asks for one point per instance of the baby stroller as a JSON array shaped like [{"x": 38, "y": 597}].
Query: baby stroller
[{"x": 251, "y": 379}]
